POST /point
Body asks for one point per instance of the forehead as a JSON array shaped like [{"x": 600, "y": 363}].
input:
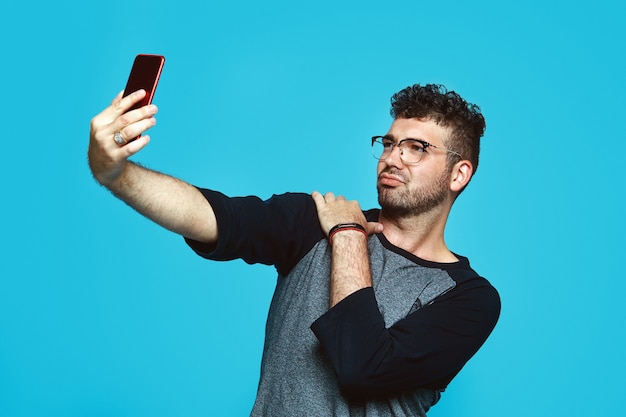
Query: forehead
[{"x": 419, "y": 129}]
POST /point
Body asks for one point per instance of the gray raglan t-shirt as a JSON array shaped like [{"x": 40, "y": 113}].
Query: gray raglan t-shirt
[{"x": 303, "y": 347}]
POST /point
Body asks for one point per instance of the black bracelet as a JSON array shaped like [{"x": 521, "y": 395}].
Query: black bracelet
[{"x": 345, "y": 226}]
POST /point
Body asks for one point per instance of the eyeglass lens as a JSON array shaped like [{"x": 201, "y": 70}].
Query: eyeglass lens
[{"x": 410, "y": 150}]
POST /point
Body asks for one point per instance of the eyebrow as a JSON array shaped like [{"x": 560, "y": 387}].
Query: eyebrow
[{"x": 391, "y": 137}]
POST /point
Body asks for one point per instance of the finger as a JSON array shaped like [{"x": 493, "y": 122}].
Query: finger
[
  {"x": 134, "y": 116},
  {"x": 119, "y": 106},
  {"x": 135, "y": 146},
  {"x": 318, "y": 199},
  {"x": 107, "y": 115},
  {"x": 135, "y": 129},
  {"x": 124, "y": 103},
  {"x": 373, "y": 228},
  {"x": 118, "y": 97},
  {"x": 328, "y": 197}
]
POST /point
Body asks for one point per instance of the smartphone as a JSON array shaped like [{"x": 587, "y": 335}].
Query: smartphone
[{"x": 145, "y": 75}]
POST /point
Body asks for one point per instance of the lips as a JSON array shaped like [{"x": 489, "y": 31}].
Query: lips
[{"x": 390, "y": 180}]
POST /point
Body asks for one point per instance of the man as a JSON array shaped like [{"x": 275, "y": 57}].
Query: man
[{"x": 372, "y": 315}]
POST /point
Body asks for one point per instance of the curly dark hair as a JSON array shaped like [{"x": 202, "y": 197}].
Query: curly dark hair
[{"x": 447, "y": 109}]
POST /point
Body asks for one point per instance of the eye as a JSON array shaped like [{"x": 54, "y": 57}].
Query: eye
[
  {"x": 387, "y": 143},
  {"x": 414, "y": 146}
]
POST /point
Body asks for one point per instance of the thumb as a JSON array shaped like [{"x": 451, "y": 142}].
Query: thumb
[{"x": 373, "y": 227}]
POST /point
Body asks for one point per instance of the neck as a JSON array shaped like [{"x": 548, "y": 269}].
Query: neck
[{"x": 420, "y": 234}]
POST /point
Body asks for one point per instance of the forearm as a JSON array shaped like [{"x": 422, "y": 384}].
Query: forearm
[
  {"x": 168, "y": 201},
  {"x": 172, "y": 203},
  {"x": 426, "y": 349},
  {"x": 350, "y": 268}
]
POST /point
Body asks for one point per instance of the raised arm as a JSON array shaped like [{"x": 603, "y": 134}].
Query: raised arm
[
  {"x": 350, "y": 266},
  {"x": 168, "y": 201}
]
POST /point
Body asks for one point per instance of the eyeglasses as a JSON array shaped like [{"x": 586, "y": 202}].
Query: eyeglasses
[{"x": 411, "y": 150}]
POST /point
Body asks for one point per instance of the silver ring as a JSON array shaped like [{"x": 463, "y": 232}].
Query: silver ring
[{"x": 119, "y": 139}]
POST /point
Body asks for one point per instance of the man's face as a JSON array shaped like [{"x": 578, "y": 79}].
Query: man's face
[{"x": 410, "y": 189}]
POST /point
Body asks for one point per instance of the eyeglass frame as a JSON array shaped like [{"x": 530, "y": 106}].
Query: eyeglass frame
[{"x": 425, "y": 144}]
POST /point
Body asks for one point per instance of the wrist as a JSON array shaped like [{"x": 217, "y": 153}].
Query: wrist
[{"x": 345, "y": 227}]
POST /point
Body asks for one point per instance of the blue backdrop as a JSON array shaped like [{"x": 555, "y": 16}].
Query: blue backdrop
[{"x": 102, "y": 313}]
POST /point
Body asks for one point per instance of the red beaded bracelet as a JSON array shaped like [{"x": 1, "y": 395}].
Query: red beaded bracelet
[{"x": 345, "y": 226}]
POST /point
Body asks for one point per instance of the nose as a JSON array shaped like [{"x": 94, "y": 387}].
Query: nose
[{"x": 394, "y": 158}]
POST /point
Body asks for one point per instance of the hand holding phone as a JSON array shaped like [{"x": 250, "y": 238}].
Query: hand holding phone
[{"x": 145, "y": 75}]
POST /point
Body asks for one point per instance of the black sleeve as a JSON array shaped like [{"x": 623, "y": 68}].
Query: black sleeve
[
  {"x": 278, "y": 231},
  {"x": 424, "y": 350}
]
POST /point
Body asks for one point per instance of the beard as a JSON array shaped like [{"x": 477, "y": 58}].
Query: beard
[{"x": 404, "y": 203}]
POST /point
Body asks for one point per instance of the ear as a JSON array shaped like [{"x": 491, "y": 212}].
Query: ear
[{"x": 461, "y": 174}]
